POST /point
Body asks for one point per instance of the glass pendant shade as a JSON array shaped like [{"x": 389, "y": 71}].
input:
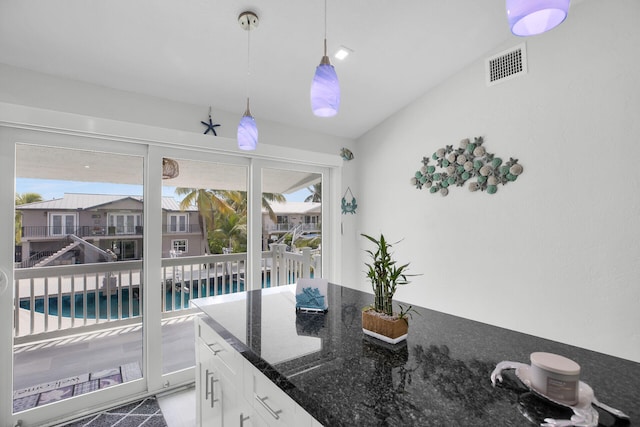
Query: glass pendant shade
[
  {"x": 325, "y": 90},
  {"x": 531, "y": 17},
  {"x": 247, "y": 131}
]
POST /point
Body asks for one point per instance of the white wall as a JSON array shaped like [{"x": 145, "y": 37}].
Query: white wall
[
  {"x": 556, "y": 253},
  {"x": 25, "y": 87}
]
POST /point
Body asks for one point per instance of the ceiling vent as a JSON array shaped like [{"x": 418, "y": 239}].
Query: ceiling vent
[{"x": 506, "y": 65}]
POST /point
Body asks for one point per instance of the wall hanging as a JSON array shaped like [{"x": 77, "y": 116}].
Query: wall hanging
[
  {"x": 470, "y": 161},
  {"x": 346, "y": 154},
  {"x": 210, "y": 126},
  {"x": 351, "y": 206}
]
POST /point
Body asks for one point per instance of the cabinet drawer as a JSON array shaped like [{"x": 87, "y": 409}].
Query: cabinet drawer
[
  {"x": 273, "y": 405},
  {"x": 225, "y": 357}
]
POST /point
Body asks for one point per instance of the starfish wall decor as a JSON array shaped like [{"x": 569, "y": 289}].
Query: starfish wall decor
[{"x": 210, "y": 126}]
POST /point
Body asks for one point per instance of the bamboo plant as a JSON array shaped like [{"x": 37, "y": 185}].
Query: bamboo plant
[{"x": 385, "y": 275}]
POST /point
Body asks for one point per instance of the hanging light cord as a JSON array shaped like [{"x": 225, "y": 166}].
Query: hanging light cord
[
  {"x": 325, "y": 27},
  {"x": 248, "y": 59}
]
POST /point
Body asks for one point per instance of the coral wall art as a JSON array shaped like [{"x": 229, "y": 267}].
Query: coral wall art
[{"x": 449, "y": 167}]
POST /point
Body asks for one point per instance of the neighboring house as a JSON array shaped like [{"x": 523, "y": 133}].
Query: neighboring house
[
  {"x": 299, "y": 218},
  {"x": 86, "y": 228}
]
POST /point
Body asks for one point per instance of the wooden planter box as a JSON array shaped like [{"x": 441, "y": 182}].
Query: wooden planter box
[{"x": 385, "y": 328}]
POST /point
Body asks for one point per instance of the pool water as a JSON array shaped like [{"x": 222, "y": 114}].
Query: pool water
[{"x": 173, "y": 300}]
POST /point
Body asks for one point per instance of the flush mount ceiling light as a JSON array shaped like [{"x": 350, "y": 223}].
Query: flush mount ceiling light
[
  {"x": 170, "y": 168},
  {"x": 342, "y": 53},
  {"x": 325, "y": 89},
  {"x": 247, "y": 128},
  {"x": 531, "y": 17}
]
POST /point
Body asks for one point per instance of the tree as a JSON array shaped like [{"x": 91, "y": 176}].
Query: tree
[
  {"x": 231, "y": 233},
  {"x": 238, "y": 200},
  {"x": 316, "y": 193},
  {"x": 23, "y": 199},
  {"x": 208, "y": 202}
]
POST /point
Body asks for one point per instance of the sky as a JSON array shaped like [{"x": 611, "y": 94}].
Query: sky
[{"x": 52, "y": 189}]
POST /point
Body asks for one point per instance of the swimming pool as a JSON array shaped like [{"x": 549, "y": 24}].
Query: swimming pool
[{"x": 174, "y": 299}]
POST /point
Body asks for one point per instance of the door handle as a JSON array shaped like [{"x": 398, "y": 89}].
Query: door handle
[
  {"x": 4, "y": 282},
  {"x": 243, "y": 419},
  {"x": 208, "y": 391},
  {"x": 215, "y": 352},
  {"x": 274, "y": 413}
]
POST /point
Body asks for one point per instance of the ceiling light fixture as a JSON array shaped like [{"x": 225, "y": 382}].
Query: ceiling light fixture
[
  {"x": 247, "y": 128},
  {"x": 325, "y": 89},
  {"x": 528, "y": 17},
  {"x": 342, "y": 53}
]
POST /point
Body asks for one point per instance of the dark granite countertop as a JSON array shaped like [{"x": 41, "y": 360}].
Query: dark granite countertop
[{"x": 440, "y": 376}]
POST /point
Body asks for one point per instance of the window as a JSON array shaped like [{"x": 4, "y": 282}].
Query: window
[
  {"x": 283, "y": 222},
  {"x": 61, "y": 224},
  {"x": 177, "y": 223},
  {"x": 311, "y": 219},
  {"x": 124, "y": 223},
  {"x": 179, "y": 247}
]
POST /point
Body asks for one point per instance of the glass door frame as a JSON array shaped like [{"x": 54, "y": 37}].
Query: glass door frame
[
  {"x": 44, "y": 127},
  {"x": 9, "y": 139}
]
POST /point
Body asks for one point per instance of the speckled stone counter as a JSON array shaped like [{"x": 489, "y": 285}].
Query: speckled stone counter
[{"x": 439, "y": 377}]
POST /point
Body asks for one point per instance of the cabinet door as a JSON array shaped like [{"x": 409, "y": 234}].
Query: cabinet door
[
  {"x": 271, "y": 406},
  {"x": 208, "y": 397}
]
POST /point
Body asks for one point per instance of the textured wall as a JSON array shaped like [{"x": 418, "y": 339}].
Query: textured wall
[{"x": 556, "y": 253}]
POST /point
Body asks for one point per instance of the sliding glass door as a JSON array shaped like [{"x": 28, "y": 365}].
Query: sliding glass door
[
  {"x": 107, "y": 242},
  {"x": 76, "y": 284}
]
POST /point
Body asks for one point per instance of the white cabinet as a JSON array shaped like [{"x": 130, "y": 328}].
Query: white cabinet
[
  {"x": 230, "y": 391},
  {"x": 219, "y": 397},
  {"x": 272, "y": 405}
]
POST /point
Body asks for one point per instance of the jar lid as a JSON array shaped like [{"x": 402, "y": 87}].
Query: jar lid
[{"x": 555, "y": 363}]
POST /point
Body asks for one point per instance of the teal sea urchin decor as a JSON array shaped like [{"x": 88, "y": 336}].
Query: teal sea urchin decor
[{"x": 469, "y": 162}]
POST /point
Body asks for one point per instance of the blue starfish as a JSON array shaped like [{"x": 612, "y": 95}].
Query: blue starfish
[{"x": 210, "y": 126}]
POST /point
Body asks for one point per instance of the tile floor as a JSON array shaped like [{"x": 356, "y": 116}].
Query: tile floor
[
  {"x": 179, "y": 408},
  {"x": 173, "y": 409},
  {"x": 145, "y": 413}
]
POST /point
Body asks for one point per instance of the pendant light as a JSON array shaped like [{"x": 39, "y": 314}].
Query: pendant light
[
  {"x": 325, "y": 89},
  {"x": 531, "y": 17},
  {"x": 247, "y": 129}
]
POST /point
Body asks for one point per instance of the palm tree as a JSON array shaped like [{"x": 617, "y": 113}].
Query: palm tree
[
  {"x": 238, "y": 200},
  {"x": 267, "y": 199},
  {"x": 231, "y": 232},
  {"x": 23, "y": 199},
  {"x": 316, "y": 193},
  {"x": 208, "y": 202}
]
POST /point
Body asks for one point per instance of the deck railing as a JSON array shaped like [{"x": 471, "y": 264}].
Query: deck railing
[
  {"x": 57, "y": 301},
  {"x": 45, "y": 231}
]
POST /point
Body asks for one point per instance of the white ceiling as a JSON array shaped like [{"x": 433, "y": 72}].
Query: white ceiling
[{"x": 194, "y": 51}]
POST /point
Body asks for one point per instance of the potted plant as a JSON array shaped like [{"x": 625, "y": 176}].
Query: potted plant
[{"x": 385, "y": 274}]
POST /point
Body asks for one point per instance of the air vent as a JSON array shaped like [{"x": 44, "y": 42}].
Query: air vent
[{"x": 506, "y": 65}]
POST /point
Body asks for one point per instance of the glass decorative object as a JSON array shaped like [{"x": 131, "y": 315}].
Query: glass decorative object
[
  {"x": 528, "y": 18},
  {"x": 325, "y": 90},
  {"x": 247, "y": 131}
]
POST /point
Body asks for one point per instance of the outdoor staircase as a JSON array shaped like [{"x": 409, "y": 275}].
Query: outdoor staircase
[
  {"x": 295, "y": 233},
  {"x": 75, "y": 241},
  {"x": 46, "y": 261}
]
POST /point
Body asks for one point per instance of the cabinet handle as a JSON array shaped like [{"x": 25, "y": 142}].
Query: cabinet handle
[
  {"x": 243, "y": 419},
  {"x": 274, "y": 414},
  {"x": 209, "y": 387},
  {"x": 215, "y": 352}
]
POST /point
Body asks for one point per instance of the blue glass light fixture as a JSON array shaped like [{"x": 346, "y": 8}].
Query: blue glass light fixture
[
  {"x": 531, "y": 17},
  {"x": 247, "y": 131},
  {"x": 325, "y": 88},
  {"x": 247, "y": 128}
]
